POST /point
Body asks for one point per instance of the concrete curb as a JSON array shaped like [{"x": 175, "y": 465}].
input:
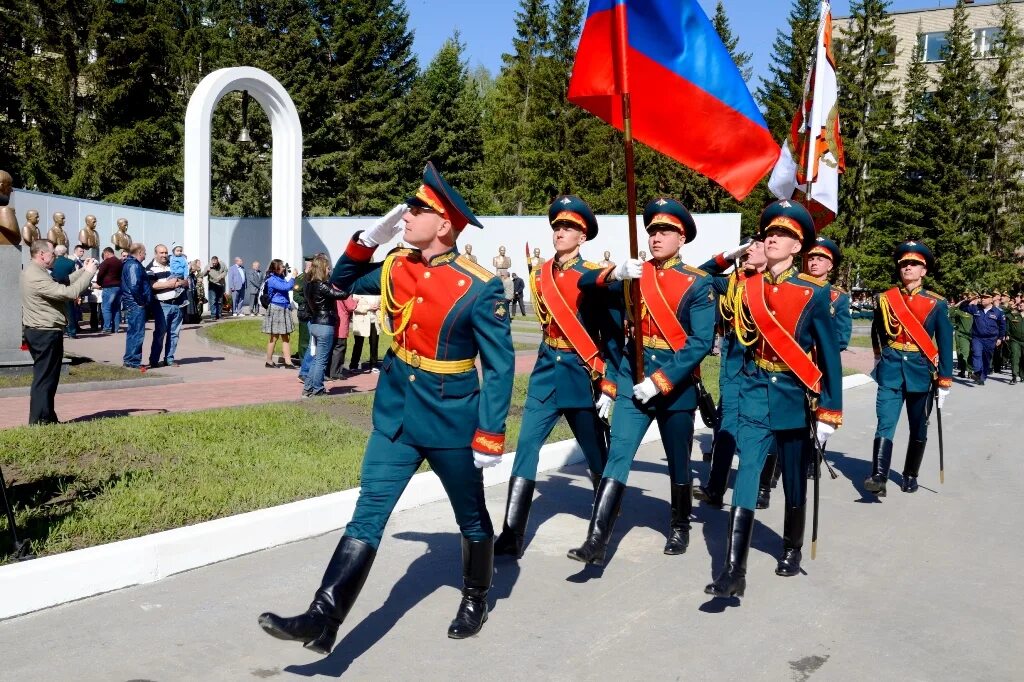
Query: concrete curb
[
  {"x": 86, "y": 386},
  {"x": 52, "y": 580}
]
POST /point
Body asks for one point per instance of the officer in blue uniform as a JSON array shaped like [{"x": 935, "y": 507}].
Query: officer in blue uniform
[
  {"x": 784, "y": 319},
  {"x": 677, "y": 327},
  {"x": 913, "y": 342},
  {"x": 569, "y": 365},
  {"x": 987, "y": 332},
  {"x": 445, "y": 312},
  {"x": 724, "y": 446}
]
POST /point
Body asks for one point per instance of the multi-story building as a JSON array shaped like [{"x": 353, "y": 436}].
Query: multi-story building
[{"x": 929, "y": 26}]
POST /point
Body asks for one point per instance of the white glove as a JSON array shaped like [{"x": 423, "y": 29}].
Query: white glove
[
  {"x": 941, "y": 399},
  {"x": 604, "y": 406},
  {"x": 824, "y": 431},
  {"x": 385, "y": 229},
  {"x": 482, "y": 460},
  {"x": 645, "y": 390},
  {"x": 738, "y": 251},
  {"x": 630, "y": 268}
]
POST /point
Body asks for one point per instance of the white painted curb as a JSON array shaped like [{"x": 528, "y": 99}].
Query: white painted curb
[{"x": 61, "y": 578}]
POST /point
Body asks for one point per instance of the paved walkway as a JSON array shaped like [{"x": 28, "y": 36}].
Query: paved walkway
[
  {"x": 917, "y": 587},
  {"x": 213, "y": 377}
]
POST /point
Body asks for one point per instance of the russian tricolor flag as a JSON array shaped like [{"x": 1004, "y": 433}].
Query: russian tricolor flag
[{"x": 688, "y": 99}]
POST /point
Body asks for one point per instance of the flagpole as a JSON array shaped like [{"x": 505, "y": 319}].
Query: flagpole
[{"x": 619, "y": 55}]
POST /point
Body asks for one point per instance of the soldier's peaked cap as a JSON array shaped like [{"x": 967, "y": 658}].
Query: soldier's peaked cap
[
  {"x": 914, "y": 250},
  {"x": 438, "y": 196},
  {"x": 569, "y": 208},
  {"x": 669, "y": 212},
  {"x": 823, "y": 246},
  {"x": 792, "y": 217}
]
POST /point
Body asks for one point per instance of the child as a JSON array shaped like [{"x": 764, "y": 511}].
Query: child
[{"x": 179, "y": 268}]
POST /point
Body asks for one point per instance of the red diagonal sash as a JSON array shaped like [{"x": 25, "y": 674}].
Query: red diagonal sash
[
  {"x": 565, "y": 317},
  {"x": 788, "y": 350},
  {"x": 912, "y": 325},
  {"x": 663, "y": 314}
]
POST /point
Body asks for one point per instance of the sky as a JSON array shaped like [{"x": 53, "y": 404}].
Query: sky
[{"x": 487, "y": 26}]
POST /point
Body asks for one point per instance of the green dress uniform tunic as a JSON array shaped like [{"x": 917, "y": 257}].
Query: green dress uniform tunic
[
  {"x": 962, "y": 322},
  {"x": 773, "y": 400},
  {"x": 430, "y": 403},
  {"x": 687, "y": 291}
]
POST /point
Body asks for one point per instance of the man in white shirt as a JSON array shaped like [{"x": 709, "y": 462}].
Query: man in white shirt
[{"x": 167, "y": 311}]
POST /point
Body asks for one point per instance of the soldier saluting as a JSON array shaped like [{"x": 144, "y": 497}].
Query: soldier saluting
[
  {"x": 568, "y": 364},
  {"x": 444, "y": 311},
  {"x": 784, "y": 319},
  {"x": 907, "y": 361},
  {"x": 677, "y": 325}
]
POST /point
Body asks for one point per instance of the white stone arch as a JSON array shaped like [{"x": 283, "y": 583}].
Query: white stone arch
[{"x": 286, "y": 198}]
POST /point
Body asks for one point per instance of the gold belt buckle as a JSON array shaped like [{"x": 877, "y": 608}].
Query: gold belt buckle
[{"x": 414, "y": 359}]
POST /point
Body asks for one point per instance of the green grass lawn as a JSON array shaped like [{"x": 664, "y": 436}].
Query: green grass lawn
[
  {"x": 860, "y": 341},
  {"x": 83, "y": 484},
  {"x": 80, "y": 370}
]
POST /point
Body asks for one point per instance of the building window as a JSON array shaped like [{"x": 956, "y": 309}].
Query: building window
[
  {"x": 985, "y": 41},
  {"x": 934, "y": 46},
  {"x": 887, "y": 49}
]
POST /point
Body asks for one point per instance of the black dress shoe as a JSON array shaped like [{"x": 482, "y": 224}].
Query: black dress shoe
[
  {"x": 709, "y": 497},
  {"x": 269, "y": 365}
]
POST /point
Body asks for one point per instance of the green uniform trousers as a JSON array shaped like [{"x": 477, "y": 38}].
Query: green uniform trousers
[
  {"x": 963, "y": 351},
  {"x": 387, "y": 467},
  {"x": 538, "y": 421},
  {"x": 1016, "y": 349},
  {"x": 630, "y": 422}
]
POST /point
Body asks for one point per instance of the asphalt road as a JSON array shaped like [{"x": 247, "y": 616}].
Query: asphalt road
[{"x": 917, "y": 587}]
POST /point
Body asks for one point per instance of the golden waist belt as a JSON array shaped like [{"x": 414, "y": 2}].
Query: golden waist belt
[
  {"x": 904, "y": 346},
  {"x": 656, "y": 342},
  {"x": 770, "y": 366},
  {"x": 414, "y": 359},
  {"x": 559, "y": 344}
]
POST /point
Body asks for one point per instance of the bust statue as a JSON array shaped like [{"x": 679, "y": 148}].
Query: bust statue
[
  {"x": 535, "y": 259},
  {"x": 607, "y": 260},
  {"x": 469, "y": 253},
  {"x": 56, "y": 233},
  {"x": 501, "y": 262},
  {"x": 88, "y": 237},
  {"x": 30, "y": 230},
  {"x": 9, "y": 235},
  {"x": 643, "y": 255},
  {"x": 121, "y": 238}
]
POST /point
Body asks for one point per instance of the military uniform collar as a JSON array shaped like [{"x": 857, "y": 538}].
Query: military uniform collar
[
  {"x": 668, "y": 264},
  {"x": 567, "y": 264},
  {"x": 442, "y": 258},
  {"x": 789, "y": 272},
  {"x": 911, "y": 292}
]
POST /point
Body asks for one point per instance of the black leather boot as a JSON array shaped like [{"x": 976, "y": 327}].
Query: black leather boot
[
  {"x": 792, "y": 541},
  {"x": 517, "y": 512},
  {"x": 764, "y": 487},
  {"x": 881, "y": 457},
  {"x": 915, "y": 453},
  {"x": 317, "y": 628},
  {"x": 732, "y": 581},
  {"x": 712, "y": 498},
  {"x": 595, "y": 480},
  {"x": 477, "y": 571},
  {"x": 606, "y": 509},
  {"x": 679, "y": 526}
]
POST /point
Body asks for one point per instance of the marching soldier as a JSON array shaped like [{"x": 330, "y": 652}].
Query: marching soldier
[
  {"x": 819, "y": 262},
  {"x": 786, "y": 397},
  {"x": 724, "y": 446},
  {"x": 444, "y": 311},
  {"x": 568, "y": 364},
  {"x": 962, "y": 322},
  {"x": 677, "y": 326},
  {"x": 907, "y": 362},
  {"x": 1015, "y": 339}
]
